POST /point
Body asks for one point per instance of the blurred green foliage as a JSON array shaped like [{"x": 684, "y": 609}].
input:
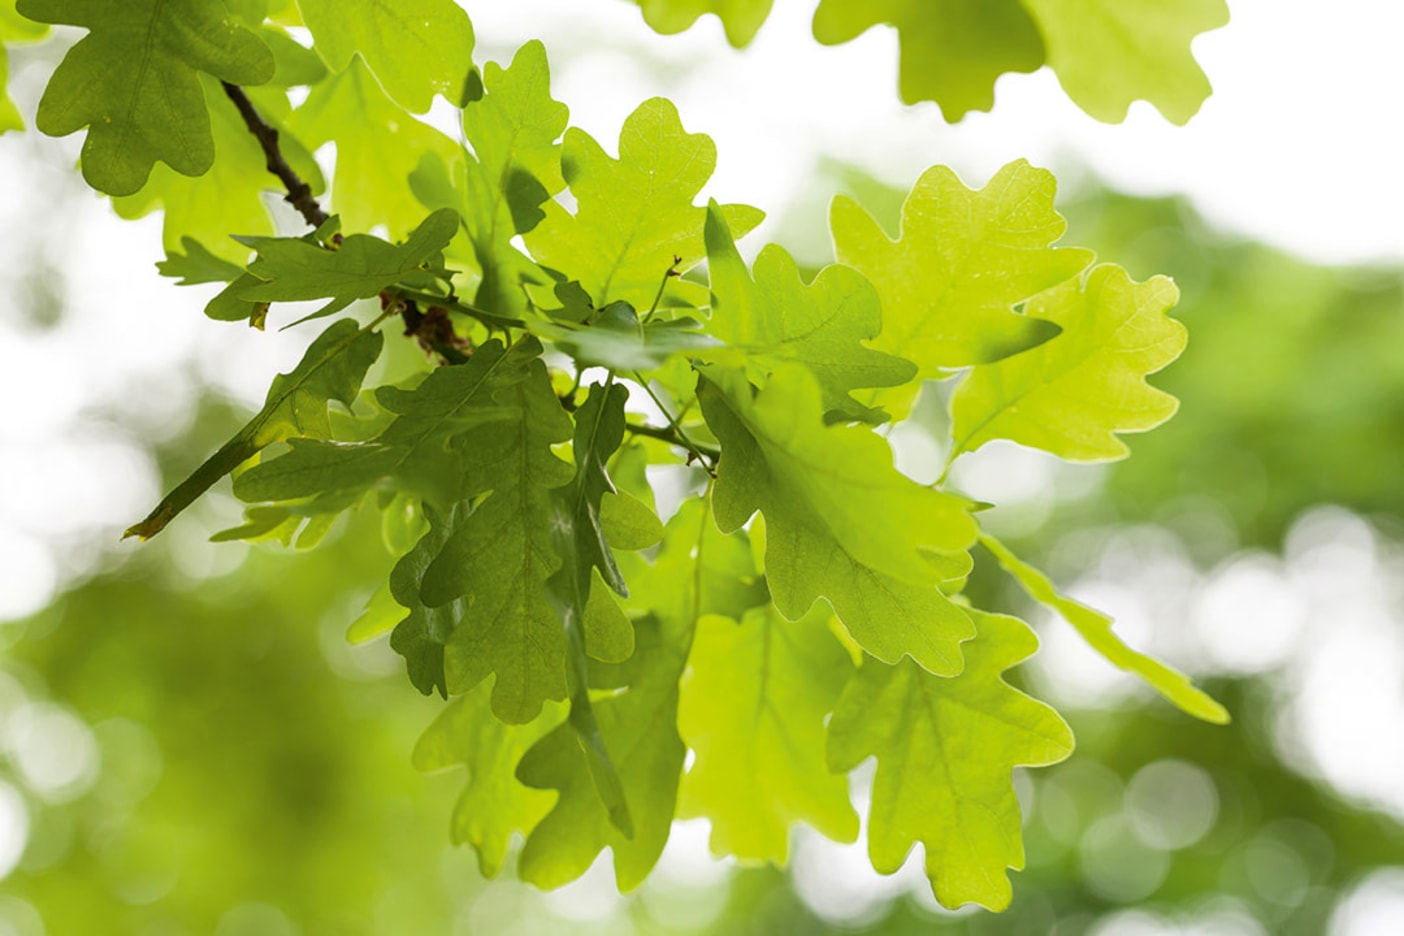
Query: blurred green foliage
[{"x": 252, "y": 773}]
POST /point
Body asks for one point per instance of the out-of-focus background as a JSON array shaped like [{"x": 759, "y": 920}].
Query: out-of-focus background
[{"x": 188, "y": 745}]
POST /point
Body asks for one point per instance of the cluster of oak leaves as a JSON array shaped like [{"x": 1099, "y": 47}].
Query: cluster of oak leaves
[{"x": 801, "y": 610}]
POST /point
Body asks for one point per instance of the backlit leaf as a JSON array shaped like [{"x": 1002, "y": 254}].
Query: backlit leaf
[
  {"x": 951, "y": 50},
  {"x": 962, "y": 262},
  {"x": 1096, "y": 628},
  {"x": 332, "y": 369},
  {"x": 841, "y": 522},
  {"x": 494, "y": 805},
  {"x": 741, "y": 18},
  {"x": 769, "y": 315},
  {"x": 754, "y": 705},
  {"x": 945, "y": 748},
  {"x": 417, "y": 48},
  {"x": 378, "y": 145},
  {"x": 1072, "y": 394},
  {"x": 1108, "y": 53},
  {"x": 634, "y": 214},
  {"x": 698, "y": 571},
  {"x": 133, "y": 81},
  {"x": 513, "y": 126}
]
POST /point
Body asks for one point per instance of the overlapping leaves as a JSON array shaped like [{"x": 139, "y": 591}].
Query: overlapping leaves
[
  {"x": 1071, "y": 395},
  {"x": 803, "y": 611},
  {"x": 635, "y": 217},
  {"x": 961, "y": 263},
  {"x": 841, "y": 522},
  {"x": 513, "y": 126},
  {"x": 133, "y": 81},
  {"x": 754, "y": 705},
  {"x": 945, "y": 748},
  {"x": 417, "y": 48},
  {"x": 1106, "y": 53}
]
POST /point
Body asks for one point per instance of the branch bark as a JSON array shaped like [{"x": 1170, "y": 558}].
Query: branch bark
[{"x": 299, "y": 192}]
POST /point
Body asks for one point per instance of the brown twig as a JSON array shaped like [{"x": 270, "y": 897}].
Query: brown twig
[
  {"x": 700, "y": 452},
  {"x": 299, "y": 192}
]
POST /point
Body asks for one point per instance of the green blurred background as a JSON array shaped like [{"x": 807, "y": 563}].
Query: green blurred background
[{"x": 188, "y": 744}]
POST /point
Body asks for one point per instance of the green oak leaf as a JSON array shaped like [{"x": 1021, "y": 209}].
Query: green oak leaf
[
  {"x": 425, "y": 451},
  {"x": 609, "y": 635},
  {"x": 417, "y": 48},
  {"x": 950, "y": 282},
  {"x": 494, "y": 805},
  {"x": 634, "y": 214},
  {"x": 770, "y": 315},
  {"x": 464, "y": 434},
  {"x": 741, "y": 18},
  {"x": 197, "y": 265},
  {"x": 252, "y": 12},
  {"x": 502, "y": 555},
  {"x": 578, "y": 538},
  {"x": 628, "y": 522},
  {"x": 754, "y": 705},
  {"x": 1072, "y": 394},
  {"x": 614, "y": 337},
  {"x": 378, "y": 618},
  {"x": 951, "y": 50},
  {"x": 841, "y": 522},
  {"x": 290, "y": 269},
  {"x": 332, "y": 369},
  {"x": 420, "y": 635},
  {"x": 638, "y": 727},
  {"x": 1108, "y": 53},
  {"x": 230, "y": 196},
  {"x": 294, "y": 64},
  {"x": 599, "y": 431},
  {"x": 513, "y": 125},
  {"x": 133, "y": 82},
  {"x": 378, "y": 145},
  {"x": 1096, "y": 628},
  {"x": 698, "y": 571},
  {"x": 945, "y": 748}
]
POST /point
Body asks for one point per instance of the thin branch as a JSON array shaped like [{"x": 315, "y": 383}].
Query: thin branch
[
  {"x": 663, "y": 434},
  {"x": 407, "y": 301},
  {"x": 675, "y": 425},
  {"x": 299, "y": 192}
]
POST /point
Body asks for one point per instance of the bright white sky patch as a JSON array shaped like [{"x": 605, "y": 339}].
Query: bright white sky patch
[{"x": 1298, "y": 145}]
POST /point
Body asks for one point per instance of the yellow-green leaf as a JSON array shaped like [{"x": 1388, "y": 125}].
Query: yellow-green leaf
[
  {"x": 963, "y": 261},
  {"x": 740, "y": 18},
  {"x": 1096, "y": 628},
  {"x": 1108, "y": 53},
  {"x": 1073, "y": 394},
  {"x": 754, "y": 706},
  {"x": 841, "y": 522},
  {"x": 494, "y": 804},
  {"x": 635, "y": 215},
  {"x": 417, "y": 48},
  {"x": 951, "y": 50},
  {"x": 945, "y": 748}
]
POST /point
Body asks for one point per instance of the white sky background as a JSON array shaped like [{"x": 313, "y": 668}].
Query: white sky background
[{"x": 1300, "y": 146}]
